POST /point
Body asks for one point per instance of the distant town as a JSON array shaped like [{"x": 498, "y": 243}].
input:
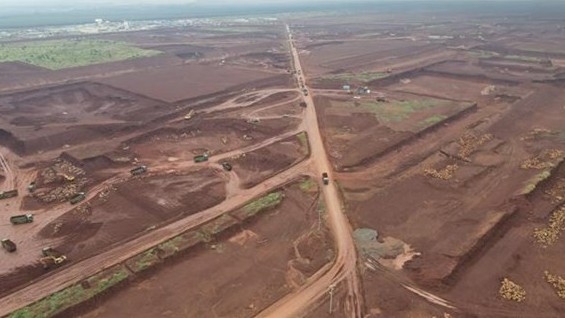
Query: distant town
[{"x": 101, "y": 26}]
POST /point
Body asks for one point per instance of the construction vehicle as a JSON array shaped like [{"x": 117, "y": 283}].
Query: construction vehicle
[
  {"x": 227, "y": 166},
  {"x": 8, "y": 245},
  {"x": 31, "y": 187},
  {"x": 325, "y": 178},
  {"x": 189, "y": 115},
  {"x": 21, "y": 219},
  {"x": 77, "y": 198},
  {"x": 8, "y": 194},
  {"x": 51, "y": 258},
  {"x": 138, "y": 170},
  {"x": 201, "y": 158},
  {"x": 67, "y": 177}
]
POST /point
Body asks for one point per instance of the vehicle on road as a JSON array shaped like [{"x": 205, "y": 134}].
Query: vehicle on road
[
  {"x": 21, "y": 219},
  {"x": 8, "y": 245},
  {"x": 8, "y": 194},
  {"x": 201, "y": 158},
  {"x": 31, "y": 187},
  {"x": 78, "y": 197},
  {"x": 325, "y": 178},
  {"x": 138, "y": 170},
  {"x": 227, "y": 166}
]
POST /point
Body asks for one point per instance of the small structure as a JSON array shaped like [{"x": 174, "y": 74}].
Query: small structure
[
  {"x": 363, "y": 91},
  {"x": 346, "y": 87}
]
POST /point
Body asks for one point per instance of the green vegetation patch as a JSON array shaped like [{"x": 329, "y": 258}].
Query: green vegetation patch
[
  {"x": 532, "y": 184},
  {"x": 397, "y": 111},
  {"x": 269, "y": 201},
  {"x": 430, "y": 121},
  {"x": 307, "y": 185},
  {"x": 179, "y": 243},
  {"x": 357, "y": 77},
  {"x": 61, "y": 54},
  {"x": 144, "y": 260},
  {"x": 303, "y": 139},
  {"x": 219, "y": 224},
  {"x": 480, "y": 54},
  {"x": 71, "y": 296}
]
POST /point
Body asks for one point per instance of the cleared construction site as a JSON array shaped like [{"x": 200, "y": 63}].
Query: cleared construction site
[{"x": 395, "y": 167}]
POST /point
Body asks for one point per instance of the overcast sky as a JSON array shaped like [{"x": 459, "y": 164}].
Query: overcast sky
[{"x": 75, "y": 2}]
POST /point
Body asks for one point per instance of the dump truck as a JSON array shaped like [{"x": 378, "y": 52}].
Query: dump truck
[
  {"x": 8, "y": 245},
  {"x": 138, "y": 170},
  {"x": 201, "y": 158},
  {"x": 8, "y": 194},
  {"x": 77, "y": 198},
  {"x": 51, "y": 258},
  {"x": 325, "y": 178},
  {"x": 227, "y": 166},
  {"x": 31, "y": 187},
  {"x": 21, "y": 219}
]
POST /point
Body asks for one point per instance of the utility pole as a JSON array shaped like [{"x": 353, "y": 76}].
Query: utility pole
[{"x": 331, "y": 291}]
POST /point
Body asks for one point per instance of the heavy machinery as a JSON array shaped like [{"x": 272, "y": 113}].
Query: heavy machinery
[
  {"x": 9, "y": 245},
  {"x": 227, "y": 166},
  {"x": 31, "y": 187},
  {"x": 77, "y": 198},
  {"x": 8, "y": 194},
  {"x": 138, "y": 170},
  {"x": 21, "y": 219},
  {"x": 67, "y": 177},
  {"x": 189, "y": 115},
  {"x": 201, "y": 158},
  {"x": 325, "y": 178},
  {"x": 51, "y": 258}
]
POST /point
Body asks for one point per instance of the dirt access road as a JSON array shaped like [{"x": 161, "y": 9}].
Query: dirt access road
[{"x": 345, "y": 266}]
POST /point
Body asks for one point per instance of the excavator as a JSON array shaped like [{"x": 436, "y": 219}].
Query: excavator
[{"x": 51, "y": 258}]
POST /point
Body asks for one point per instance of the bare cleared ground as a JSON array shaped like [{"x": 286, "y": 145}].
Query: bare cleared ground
[
  {"x": 178, "y": 83},
  {"x": 452, "y": 160},
  {"x": 246, "y": 269},
  {"x": 451, "y": 206},
  {"x": 122, "y": 211},
  {"x": 256, "y": 166}
]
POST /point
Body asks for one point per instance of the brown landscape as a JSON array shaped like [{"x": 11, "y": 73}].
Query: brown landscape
[{"x": 361, "y": 165}]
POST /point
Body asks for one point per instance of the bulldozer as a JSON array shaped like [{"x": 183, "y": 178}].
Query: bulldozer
[{"x": 51, "y": 258}]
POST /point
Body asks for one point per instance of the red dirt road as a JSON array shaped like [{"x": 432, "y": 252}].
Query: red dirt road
[{"x": 344, "y": 268}]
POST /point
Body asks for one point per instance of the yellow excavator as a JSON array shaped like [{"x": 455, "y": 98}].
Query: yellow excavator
[{"x": 51, "y": 258}]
